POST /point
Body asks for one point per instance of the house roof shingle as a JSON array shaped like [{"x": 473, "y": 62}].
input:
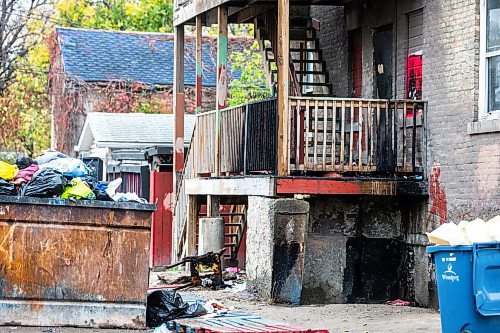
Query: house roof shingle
[{"x": 102, "y": 56}]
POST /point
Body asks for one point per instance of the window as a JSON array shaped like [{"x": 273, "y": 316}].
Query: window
[{"x": 489, "y": 103}]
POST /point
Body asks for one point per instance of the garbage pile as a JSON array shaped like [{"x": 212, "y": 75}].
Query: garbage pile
[
  {"x": 56, "y": 175},
  {"x": 166, "y": 304},
  {"x": 466, "y": 233}
]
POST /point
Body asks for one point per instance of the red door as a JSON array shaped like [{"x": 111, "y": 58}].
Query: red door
[
  {"x": 161, "y": 233},
  {"x": 356, "y": 62}
]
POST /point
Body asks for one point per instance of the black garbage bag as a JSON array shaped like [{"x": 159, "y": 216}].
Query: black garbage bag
[
  {"x": 7, "y": 188},
  {"x": 97, "y": 188},
  {"x": 166, "y": 305},
  {"x": 46, "y": 183},
  {"x": 23, "y": 162}
]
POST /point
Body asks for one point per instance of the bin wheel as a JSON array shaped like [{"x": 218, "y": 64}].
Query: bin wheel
[{"x": 466, "y": 331}]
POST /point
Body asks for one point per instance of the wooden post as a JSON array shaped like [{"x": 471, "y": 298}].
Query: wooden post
[
  {"x": 199, "y": 64},
  {"x": 283, "y": 63},
  {"x": 221, "y": 93},
  {"x": 213, "y": 206},
  {"x": 192, "y": 220},
  {"x": 178, "y": 101}
]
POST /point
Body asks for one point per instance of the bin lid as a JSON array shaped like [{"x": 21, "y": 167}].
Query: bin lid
[
  {"x": 447, "y": 248},
  {"x": 486, "y": 263}
]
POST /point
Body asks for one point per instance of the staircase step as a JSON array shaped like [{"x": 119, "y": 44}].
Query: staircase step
[
  {"x": 318, "y": 95},
  {"x": 305, "y": 39},
  {"x": 301, "y": 34},
  {"x": 316, "y": 84},
  {"x": 294, "y": 49},
  {"x": 312, "y": 72},
  {"x": 232, "y": 214},
  {"x": 230, "y": 245},
  {"x": 301, "y": 27},
  {"x": 233, "y": 224},
  {"x": 231, "y": 235},
  {"x": 307, "y": 61}
]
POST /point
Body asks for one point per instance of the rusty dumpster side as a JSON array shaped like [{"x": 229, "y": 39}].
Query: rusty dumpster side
[{"x": 81, "y": 263}]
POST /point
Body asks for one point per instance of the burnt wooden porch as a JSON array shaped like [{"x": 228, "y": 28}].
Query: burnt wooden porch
[
  {"x": 336, "y": 146},
  {"x": 328, "y": 137}
]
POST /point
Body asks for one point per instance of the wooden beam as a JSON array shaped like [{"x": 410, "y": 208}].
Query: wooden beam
[
  {"x": 221, "y": 94},
  {"x": 251, "y": 11},
  {"x": 178, "y": 102},
  {"x": 199, "y": 64},
  {"x": 350, "y": 187},
  {"x": 283, "y": 63},
  {"x": 193, "y": 9},
  {"x": 233, "y": 186}
]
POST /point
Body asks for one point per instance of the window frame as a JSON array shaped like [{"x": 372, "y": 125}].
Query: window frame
[{"x": 483, "y": 103}]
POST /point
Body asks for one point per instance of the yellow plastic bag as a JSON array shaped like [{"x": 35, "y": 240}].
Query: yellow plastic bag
[
  {"x": 7, "y": 171},
  {"x": 78, "y": 190}
]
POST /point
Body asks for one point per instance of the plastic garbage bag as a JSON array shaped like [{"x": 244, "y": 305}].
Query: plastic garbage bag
[
  {"x": 162, "y": 329},
  {"x": 78, "y": 189},
  {"x": 69, "y": 167},
  {"x": 27, "y": 173},
  {"x": 23, "y": 162},
  {"x": 129, "y": 196},
  {"x": 98, "y": 189},
  {"x": 113, "y": 186},
  {"x": 493, "y": 226},
  {"x": 7, "y": 171},
  {"x": 477, "y": 231},
  {"x": 45, "y": 183},
  {"x": 49, "y": 155},
  {"x": 447, "y": 234},
  {"x": 6, "y": 188},
  {"x": 166, "y": 305}
]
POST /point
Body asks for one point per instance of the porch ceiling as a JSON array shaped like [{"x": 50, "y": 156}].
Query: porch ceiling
[{"x": 188, "y": 10}]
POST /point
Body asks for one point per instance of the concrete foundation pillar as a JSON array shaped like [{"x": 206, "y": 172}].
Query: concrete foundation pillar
[
  {"x": 211, "y": 235},
  {"x": 275, "y": 248}
]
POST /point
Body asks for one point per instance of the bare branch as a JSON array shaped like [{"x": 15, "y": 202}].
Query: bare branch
[{"x": 16, "y": 39}]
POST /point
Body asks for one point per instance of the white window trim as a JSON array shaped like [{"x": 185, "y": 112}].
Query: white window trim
[{"x": 484, "y": 113}]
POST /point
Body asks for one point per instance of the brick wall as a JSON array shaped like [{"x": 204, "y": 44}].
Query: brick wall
[
  {"x": 464, "y": 169},
  {"x": 333, "y": 40}
]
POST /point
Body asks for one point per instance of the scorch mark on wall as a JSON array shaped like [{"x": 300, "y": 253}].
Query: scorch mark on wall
[{"x": 438, "y": 196}]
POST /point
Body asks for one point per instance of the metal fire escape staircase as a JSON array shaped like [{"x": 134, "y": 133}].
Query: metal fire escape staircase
[{"x": 308, "y": 68}]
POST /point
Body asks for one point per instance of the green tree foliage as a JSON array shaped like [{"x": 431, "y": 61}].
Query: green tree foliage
[
  {"x": 135, "y": 15},
  {"x": 24, "y": 105},
  {"x": 252, "y": 84}
]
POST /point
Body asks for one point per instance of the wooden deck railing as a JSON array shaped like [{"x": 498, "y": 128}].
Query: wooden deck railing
[
  {"x": 340, "y": 134},
  {"x": 326, "y": 135},
  {"x": 237, "y": 140},
  {"x": 180, "y": 207}
]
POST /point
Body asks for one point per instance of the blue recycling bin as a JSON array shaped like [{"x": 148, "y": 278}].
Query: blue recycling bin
[{"x": 468, "y": 281}]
